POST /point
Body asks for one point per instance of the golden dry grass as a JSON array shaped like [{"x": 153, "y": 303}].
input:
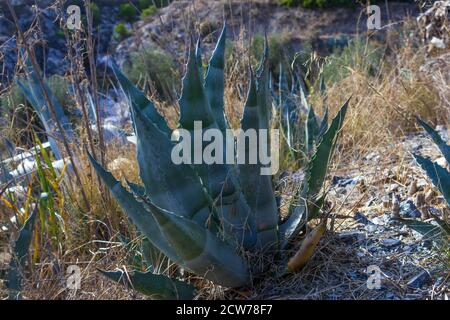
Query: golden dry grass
[{"x": 382, "y": 111}]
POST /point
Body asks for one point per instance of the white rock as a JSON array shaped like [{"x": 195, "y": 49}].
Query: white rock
[
  {"x": 438, "y": 43},
  {"x": 442, "y": 162}
]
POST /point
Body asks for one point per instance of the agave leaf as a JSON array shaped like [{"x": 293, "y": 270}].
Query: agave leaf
[
  {"x": 22, "y": 244},
  {"x": 286, "y": 106},
  {"x": 315, "y": 206},
  {"x": 322, "y": 87},
  {"x": 323, "y": 125},
  {"x": 174, "y": 187},
  {"x": 428, "y": 230},
  {"x": 299, "y": 86},
  {"x": 297, "y": 212},
  {"x": 37, "y": 99},
  {"x": 193, "y": 103},
  {"x": 156, "y": 286},
  {"x": 138, "y": 100},
  {"x": 314, "y": 178},
  {"x": 138, "y": 190},
  {"x": 18, "y": 261},
  {"x": 442, "y": 223},
  {"x": 445, "y": 149},
  {"x": 438, "y": 175},
  {"x": 263, "y": 88},
  {"x": 214, "y": 85},
  {"x": 203, "y": 253},
  {"x": 258, "y": 188},
  {"x": 303, "y": 93},
  {"x": 152, "y": 256},
  {"x": 219, "y": 179},
  {"x": 311, "y": 130},
  {"x": 318, "y": 165},
  {"x": 136, "y": 211},
  {"x": 198, "y": 56},
  {"x": 43, "y": 114}
]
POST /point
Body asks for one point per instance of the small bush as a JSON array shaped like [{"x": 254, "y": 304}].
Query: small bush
[
  {"x": 13, "y": 104},
  {"x": 151, "y": 10},
  {"x": 11, "y": 100},
  {"x": 121, "y": 32},
  {"x": 58, "y": 85},
  {"x": 127, "y": 12},
  {"x": 156, "y": 66},
  {"x": 357, "y": 55}
]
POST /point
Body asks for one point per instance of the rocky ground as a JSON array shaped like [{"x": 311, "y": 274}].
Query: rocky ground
[
  {"x": 365, "y": 193},
  {"x": 167, "y": 29},
  {"x": 324, "y": 28},
  {"x": 368, "y": 237}
]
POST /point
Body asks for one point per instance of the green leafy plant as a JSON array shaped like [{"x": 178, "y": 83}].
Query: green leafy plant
[
  {"x": 154, "y": 65},
  {"x": 302, "y": 129},
  {"x": 357, "y": 54},
  {"x": 121, "y": 31},
  {"x": 212, "y": 220},
  {"x": 36, "y": 94},
  {"x": 151, "y": 10},
  {"x": 127, "y": 12}
]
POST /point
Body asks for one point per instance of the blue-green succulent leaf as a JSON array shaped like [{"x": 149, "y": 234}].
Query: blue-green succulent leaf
[{"x": 156, "y": 286}]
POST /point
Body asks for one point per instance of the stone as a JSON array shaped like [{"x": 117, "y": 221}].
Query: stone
[
  {"x": 419, "y": 280},
  {"x": 409, "y": 210},
  {"x": 361, "y": 218},
  {"x": 391, "y": 296},
  {"x": 373, "y": 227},
  {"x": 390, "y": 242},
  {"x": 352, "y": 237},
  {"x": 345, "y": 182},
  {"x": 392, "y": 187}
]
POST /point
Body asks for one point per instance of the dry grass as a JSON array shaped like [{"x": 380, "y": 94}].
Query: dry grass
[{"x": 382, "y": 111}]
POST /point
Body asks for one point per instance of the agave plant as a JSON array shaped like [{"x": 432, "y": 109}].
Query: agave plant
[
  {"x": 34, "y": 93},
  {"x": 208, "y": 219},
  {"x": 441, "y": 179},
  {"x": 301, "y": 137}
]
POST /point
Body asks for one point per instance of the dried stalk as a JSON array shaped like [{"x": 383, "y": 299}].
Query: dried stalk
[{"x": 36, "y": 67}]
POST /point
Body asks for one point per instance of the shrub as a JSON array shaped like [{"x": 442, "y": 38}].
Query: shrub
[
  {"x": 151, "y": 10},
  {"x": 127, "y": 12},
  {"x": 154, "y": 65},
  {"x": 209, "y": 219},
  {"x": 356, "y": 55},
  {"x": 59, "y": 86},
  {"x": 13, "y": 101},
  {"x": 121, "y": 32}
]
